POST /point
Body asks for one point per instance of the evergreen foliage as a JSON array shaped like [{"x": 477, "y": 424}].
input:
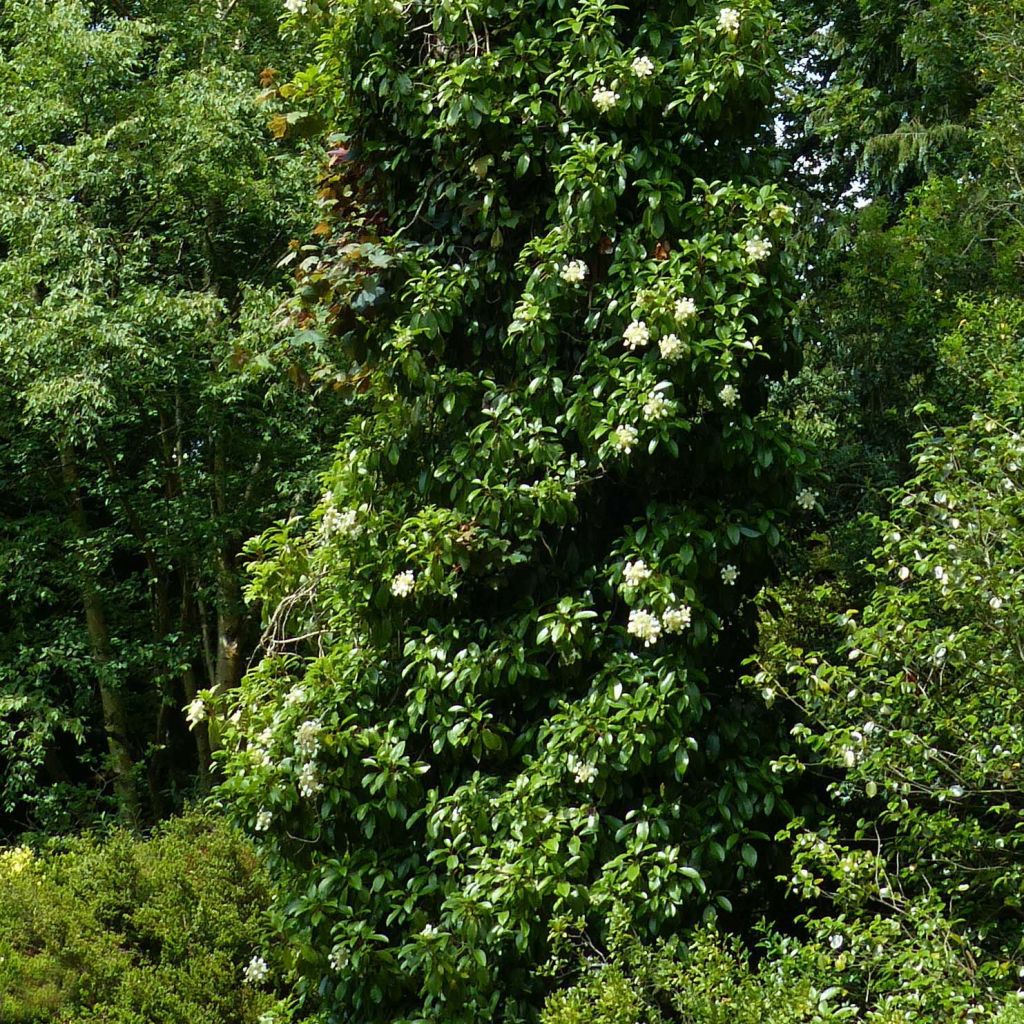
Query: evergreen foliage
[{"x": 500, "y": 680}]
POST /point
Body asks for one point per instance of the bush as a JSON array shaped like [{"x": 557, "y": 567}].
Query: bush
[
  {"x": 126, "y": 930},
  {"x": 711, "y": 981}
]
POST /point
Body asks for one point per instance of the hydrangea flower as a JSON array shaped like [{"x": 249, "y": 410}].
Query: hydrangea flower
[
  {"x": 676, "y": 619},
  {"x": 605, "y": 99},
  {"x": 402, "y": 585},
  {"x": 297, "y": 6},
  {"x": 658, "y": 407},
  {"x": 729, "y": 396},
  {"x": 309, "y": 781},
  {"x": 757, "y": 249},
  {"x": 730, "y": 574},
  {"x": 575, "y": 271},
  {"x": 196, "y": 712},
  {"x": 685, "y": 310},
  {"x": 256, "y": 971},
  {"x": 636, "y": 335},
  {"x": 642, "y": 67},
  {"x": 807, "y": 499},
  {"x": 624, "y": 437},
  {"x": 643, "y": 625},
  {"x": 585, "y": 773},
  {"x": 671, "y": 348},
  {"x": 263, "y": 820},
  {"x": 296, "y": 695},
  {"x": 729, "y": 21},
  {"x": 635, "y": 573}
]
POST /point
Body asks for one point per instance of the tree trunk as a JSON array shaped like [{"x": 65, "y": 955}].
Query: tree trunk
[{"x": 115, "y": 716}]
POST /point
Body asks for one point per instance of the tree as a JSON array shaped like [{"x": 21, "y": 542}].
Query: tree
[
  {"x": 142, "y": 211},
  {"x": 498, "y": 688}
]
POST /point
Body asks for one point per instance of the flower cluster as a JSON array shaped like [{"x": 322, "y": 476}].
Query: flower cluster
[
  {"x": 730, "y": 574},
  {"x": 196, "y": 712},
  {"x": 605, "y": 99},
  {"x": 403, "y": 584},
  {"x": 636, "y": 335},
  {"x": 634, "y": 573},
  {"x": 807, "y": 499},
  {"x": 729, "y": 395},
  {"x": 309, "y": 781},
  {"x": 685, "y": 310},
  {"x": 263, "y": 820},
  {"x": 677, "y": 618},
  {"x": 256, "y": 971},
  {"x": 729, "y": 21},
  {"x": 642, "y": 67},
  {"x": 757, "y": 249},
  {"x": 643, "y": 625},
  {"x": 671, "y": 347},
  {"x": 624, "y": 437},
  {"x": 307, "y": 739},
  {"x": 575, "y": 272},
  {"x": 335, "y": 521},
  {"x": 658, "y": 407}
]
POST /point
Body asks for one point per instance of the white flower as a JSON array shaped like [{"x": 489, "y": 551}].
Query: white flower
[
  {"x": 297, "y": 6},
  {"x": 334, "y": 521},
  {"x": 644, "y": 626},
  {"x": 635, "y": 573},
  {"x": 996, "y": 603},
  {"x": 836, "y": 942},
  {"x": 256, "y": 971},
  {"x": 624, "y": 437},
  {"x": 730, "y": 574},
  {"x": 757, "y": 248},
  {"x": 904, "y": 573},
  {"x": 685, "y": 310},
  {"x": 309, "y": 781},
  {"x": 675, "y": 620},
  {"x": 849, "y": 757},
  {"x": 642, "y": 67},
  {"x": 956, "y": 792},
  {"x": 636, "y": 335},
  {"x": 263, "y": 820},
  {"x": 729, "y": 396},
  {"x": 671, "y": 347},
  {"x": 196, "y": 712},
  {"x": 575, "y": 271},
  {"x": 296, "y": 695},
  {"x": 307, "y": 738},
  {"x": 729, "y": 20},
  {"x": 585, "y": 772},
  {"x": 658, "y": 407},
  {"x": 605, "y": 99},
  {"x": 338, "y": 959},
  {"x": 807, "y": 499},
  {"x": 428, "y": 931},
  {"x": 402, "y": 585}
]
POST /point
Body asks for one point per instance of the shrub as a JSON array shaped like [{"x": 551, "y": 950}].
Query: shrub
[{"x": 126, "y": 930}]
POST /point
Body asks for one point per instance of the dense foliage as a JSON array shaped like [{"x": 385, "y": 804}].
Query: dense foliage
[
  {"x": 494, "y": 337},
  {"x": 142, "y": 210},
  {"x": 132, "y": 931},
  {"x": 500, "y": 680}
]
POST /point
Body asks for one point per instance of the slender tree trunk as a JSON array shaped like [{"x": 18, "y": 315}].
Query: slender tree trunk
[{"x": 115, "y": 716}]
